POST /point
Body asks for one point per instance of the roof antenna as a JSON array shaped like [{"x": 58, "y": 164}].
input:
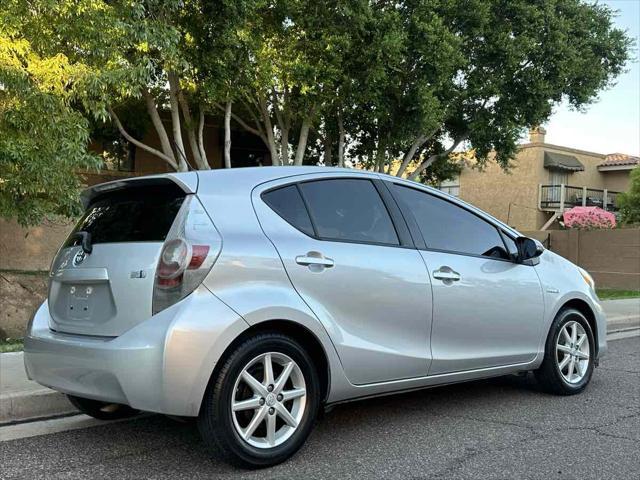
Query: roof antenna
[{"x": 183, "y": 156}]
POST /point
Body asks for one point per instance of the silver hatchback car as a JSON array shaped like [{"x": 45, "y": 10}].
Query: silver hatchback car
[{"x": 252, "y": 298}]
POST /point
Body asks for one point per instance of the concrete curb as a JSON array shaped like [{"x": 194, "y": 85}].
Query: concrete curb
[{"x": 22, "y": 406}]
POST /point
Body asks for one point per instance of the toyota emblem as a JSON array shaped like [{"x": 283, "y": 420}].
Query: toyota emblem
[{"x": 79, "y": 258}]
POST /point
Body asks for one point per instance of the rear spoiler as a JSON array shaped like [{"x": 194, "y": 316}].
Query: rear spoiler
[{"x": 187, "y": 181}]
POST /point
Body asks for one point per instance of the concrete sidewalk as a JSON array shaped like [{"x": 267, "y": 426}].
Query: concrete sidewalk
[
  {"x": 622, "y": 314},
  {"x": 22, "y": 399}
]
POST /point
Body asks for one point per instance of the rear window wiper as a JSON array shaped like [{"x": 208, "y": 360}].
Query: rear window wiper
[{"x": 85, "y": 240}]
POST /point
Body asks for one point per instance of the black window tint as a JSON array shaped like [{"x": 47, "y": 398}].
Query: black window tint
[
  {"x": 349, "y": 209},
  {"x": 287, "y": 203},
  {"x": 446, "y": 226},
  {"x": 141, "y": 214}
]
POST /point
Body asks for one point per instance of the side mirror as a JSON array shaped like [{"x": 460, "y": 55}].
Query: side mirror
[{"x": 528, "y": 249}]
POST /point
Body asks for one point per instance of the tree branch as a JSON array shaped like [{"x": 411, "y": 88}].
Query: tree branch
[
  {"x": 254, "y": 117},
  {"x": 341, "y": 135},
  {"x": 227, "y": 134},
  {"x": 424, "y": 165},
  {"x": 191, "y": 133},
  {"x": 174, "y": 88},
  {"x": 243, "y": 124},
  {"x": 418, "y": 142},
  {"x": 268, "y": 127},
  {"x": 138, "y": 143},
  {"x": 157, "y": 123},
  {"x": 203, "y": 152}
]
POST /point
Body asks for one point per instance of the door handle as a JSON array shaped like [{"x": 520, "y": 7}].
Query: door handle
[
  {"x": 447, "y": 274},
  {"x": 314, "y": 259}
]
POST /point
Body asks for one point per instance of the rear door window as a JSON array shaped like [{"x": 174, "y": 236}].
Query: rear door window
[
  {"x": 140, "y": 214},
  {"x": 349, "y": 210}
]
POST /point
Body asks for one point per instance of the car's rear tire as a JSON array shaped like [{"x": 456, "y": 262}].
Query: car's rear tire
[
  {"x": 569, "y": 356},
  {"x": 102, "y": 410},
  {"x": 255, "y": 416}
]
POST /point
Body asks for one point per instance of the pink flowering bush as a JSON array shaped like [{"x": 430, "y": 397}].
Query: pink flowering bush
[{"x": 588, "y": 218}]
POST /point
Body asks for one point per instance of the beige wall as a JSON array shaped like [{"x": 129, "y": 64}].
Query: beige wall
[
  {"x": 510, "y": 196},
  {"x": 612, "y": 257},
  {"x": 617, "y": 180},
  {"x": 31, "y": 249},
  {"x": 513, "y": 196}
]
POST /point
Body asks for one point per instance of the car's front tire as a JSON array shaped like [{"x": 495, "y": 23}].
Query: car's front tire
[
  {"x": 569, "y": 356},
  {"x": 262, "y": 404},
  {"x": 102, "y": 410}
]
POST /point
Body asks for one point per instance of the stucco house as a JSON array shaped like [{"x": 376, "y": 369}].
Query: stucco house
[{"x": 544, "y": 180}]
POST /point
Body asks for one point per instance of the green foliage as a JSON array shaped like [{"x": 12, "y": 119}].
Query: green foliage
[
  {"x": 389, "y": 81},
  {"x": 613, "y": 294},
  {"x": 629, "y": 202},
  {"x": 43, "y": 139},
  {"x": 11, "y": 345}
]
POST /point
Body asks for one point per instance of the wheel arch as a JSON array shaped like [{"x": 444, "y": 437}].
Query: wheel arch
[
  {"x": 295, "y": 330},
  {"x": 586, "y": 310}
]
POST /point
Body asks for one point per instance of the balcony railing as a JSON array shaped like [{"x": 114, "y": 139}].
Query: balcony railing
[{"x": 561, "y": 197}]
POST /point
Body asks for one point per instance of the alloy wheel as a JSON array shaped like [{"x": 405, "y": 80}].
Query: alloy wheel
[
  {"x": 573, "y": 352},
  {"x": 268, "y": 401}
]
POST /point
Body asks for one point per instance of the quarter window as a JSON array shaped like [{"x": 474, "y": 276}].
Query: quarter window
[
  {"x": 446, "y": 226},
  {"x": 287, "y": 203},
  {"x": 349, "y": 210}
]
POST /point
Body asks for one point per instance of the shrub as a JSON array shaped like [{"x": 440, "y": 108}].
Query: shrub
[
  {"x": 629, "y": 202},
  {"x": 588, "y": 218}
]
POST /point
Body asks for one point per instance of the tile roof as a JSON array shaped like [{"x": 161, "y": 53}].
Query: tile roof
[{"x": 619, "y": 159}]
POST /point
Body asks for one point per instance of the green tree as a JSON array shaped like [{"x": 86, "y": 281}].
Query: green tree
[
  {"x": 43, "y": 139},
  {"x": 377, "y": 82},
  {"x": 629, "y": 201},
  {"x": 507, "y": 63}
]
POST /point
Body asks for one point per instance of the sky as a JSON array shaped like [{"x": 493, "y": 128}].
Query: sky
[{"x": 612, "y": 123}]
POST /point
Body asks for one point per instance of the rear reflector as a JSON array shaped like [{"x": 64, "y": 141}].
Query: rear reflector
[{"x": 198, "y": 256}]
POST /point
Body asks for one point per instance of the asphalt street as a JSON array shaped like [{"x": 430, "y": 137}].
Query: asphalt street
[{"x": 502, "y": 428}]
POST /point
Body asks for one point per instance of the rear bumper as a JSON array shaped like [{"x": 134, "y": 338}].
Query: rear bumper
[{"x": 161, "y": 365}]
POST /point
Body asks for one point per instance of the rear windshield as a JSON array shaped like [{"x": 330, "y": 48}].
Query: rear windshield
[{"x": 140, "y": 214}]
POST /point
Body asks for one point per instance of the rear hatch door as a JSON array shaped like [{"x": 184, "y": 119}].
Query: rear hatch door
[{"x": 109, "y": 290}]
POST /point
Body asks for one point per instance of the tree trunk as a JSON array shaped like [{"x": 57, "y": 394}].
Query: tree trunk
[
  {"x": 284, "y": 144},
  {"x": 341, "y": 136},
  {"x": 138, "y": 143},
  {"x": 165, "y": 143},
  {"x": 328, "y": 148},
  {"x": 418, "y": 142},
  {"x": 203, "y": 152},
  {"x": 227, "y": 134},
  {"x": 380, "y": 156},
  {"x": 302, "y": 141},
  {"x": 268, "y": 127},
  {"x": 190, "y": 127},
  {"x": 174, "y": 88},
  {"x": 424, "y": 165}
]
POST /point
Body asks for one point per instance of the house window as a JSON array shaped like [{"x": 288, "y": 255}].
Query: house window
[
  {"x": 452, "y": 187},
  {"x": 558, "y": 177},
  {"x": 118, "y": 154}
]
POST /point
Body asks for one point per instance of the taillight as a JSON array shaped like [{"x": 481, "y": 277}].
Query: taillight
[{"x": 189, "y": 251}]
